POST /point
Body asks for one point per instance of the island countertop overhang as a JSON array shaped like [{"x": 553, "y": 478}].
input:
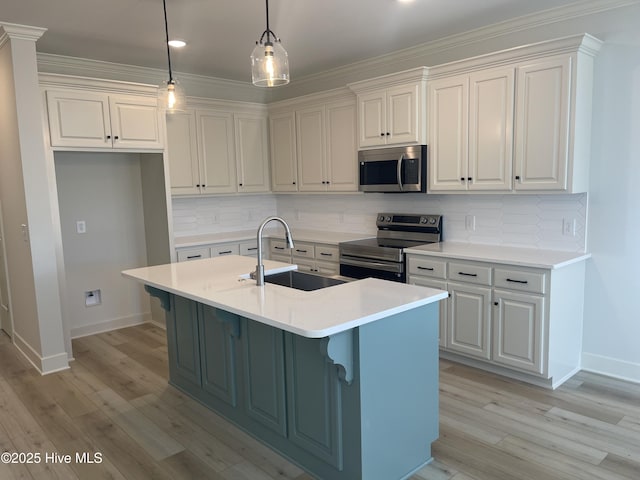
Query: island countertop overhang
[{"x": 222, "y": 283}]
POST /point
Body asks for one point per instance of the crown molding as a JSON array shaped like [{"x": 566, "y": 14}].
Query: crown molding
[
  {"x": 60, "y": 64},
  {"x": 525, "y": 22},
  {"x": 19, "y": 32},
  {"x": 342, "y": 94}
]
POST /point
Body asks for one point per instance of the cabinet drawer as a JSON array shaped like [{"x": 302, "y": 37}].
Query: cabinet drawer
[
  {"x": 226, "y": 249},
  {"x": 278, "y": 247},
  {"x": 470, "y": 273},
  {"x": 193, "y": 254},
  {"x": 524, "y": 280},
  {"x": 428, "y": 267},
  {"x": 249, "y": 248},
  {"x": 302, "y": 249},
  {"x": 327, "y": 253}
]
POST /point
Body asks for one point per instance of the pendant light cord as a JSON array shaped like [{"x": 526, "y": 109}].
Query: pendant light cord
[{"x": 166, "y": 31}]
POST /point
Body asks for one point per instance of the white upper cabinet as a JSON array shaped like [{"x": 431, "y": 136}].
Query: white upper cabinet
[
  {"x": 182, "y": 150},
  {"x": 391, "y": 109},
  {"x": 448, "y": 135},
  {"x": 284, "y": 169},
  {"x": 218, "y": 150},
  {"x": 341, "y": 150},
  {"x": 542, "y": 124},
  {"x": 326, "y": 148},
  {"x": 518, "y": 120},
  {"x": 87, "y": 119},
  {"x": 252, "y": 154},
  {"x": 471, "y": 123},
  {"x": 313, "y": 144}
]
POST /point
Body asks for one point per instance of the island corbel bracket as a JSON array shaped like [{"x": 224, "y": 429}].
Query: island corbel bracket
[
  {"x": 163, "y": 296},
  {"x": 338, "y": 349}
]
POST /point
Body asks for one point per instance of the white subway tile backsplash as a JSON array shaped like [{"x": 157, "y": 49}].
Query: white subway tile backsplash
[{"x": 533, "y": 221}]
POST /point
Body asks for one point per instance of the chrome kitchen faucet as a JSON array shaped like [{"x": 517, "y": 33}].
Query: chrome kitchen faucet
[{"x": 258, "y": 275}]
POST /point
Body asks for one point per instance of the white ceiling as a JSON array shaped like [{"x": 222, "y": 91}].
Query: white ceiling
[{"x": 318, "y": 35}]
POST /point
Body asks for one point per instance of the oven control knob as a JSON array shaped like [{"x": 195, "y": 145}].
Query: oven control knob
[
  {"x": 423, "y": 219},
  {"x": 432, "y": 220},
  {"x": 388, "y": 219},
  {"x": 381, "y": 218}
]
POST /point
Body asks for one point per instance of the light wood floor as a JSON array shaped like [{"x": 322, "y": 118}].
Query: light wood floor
[{"x": 115, "y": 401}]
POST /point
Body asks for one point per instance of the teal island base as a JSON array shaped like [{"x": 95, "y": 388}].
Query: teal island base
[{"x": 360, "y": 404}]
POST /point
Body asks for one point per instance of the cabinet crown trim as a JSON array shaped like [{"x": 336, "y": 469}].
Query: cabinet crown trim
[
  {"x": 419, "y": 74},
  {"x": 59, "y": 81},
  {"x": 583, "y": 43}
]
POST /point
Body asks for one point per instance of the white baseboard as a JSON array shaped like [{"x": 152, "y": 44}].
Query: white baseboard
[
  {"x": 611, "y": 367},
  {"x": 44, "y": 365},
  {"x": 108, "y": 325}
]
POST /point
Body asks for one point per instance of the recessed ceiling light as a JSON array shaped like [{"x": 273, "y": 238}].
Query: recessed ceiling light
[{"x": 177, "y": 43}]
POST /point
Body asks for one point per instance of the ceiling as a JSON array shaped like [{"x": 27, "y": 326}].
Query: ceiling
[{"x": 318, "y": 35}]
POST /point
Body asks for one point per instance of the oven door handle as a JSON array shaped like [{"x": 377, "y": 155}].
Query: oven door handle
[
  {"x": 399, "y": 172},
  {"x": 387, "y": 267}
]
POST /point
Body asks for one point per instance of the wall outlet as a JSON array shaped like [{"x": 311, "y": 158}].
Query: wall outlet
[
  {"x": 569, "y": 227},
  {"x": 470, "y": 223},
  {"x": 92, "y": 298},
  {"x": 81, "y": 226}
]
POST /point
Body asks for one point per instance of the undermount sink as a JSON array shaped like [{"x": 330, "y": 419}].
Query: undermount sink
[{"x": 302, "y": 281}]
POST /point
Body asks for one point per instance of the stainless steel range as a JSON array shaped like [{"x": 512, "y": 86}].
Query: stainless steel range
[{"x": 383, "y": 256}]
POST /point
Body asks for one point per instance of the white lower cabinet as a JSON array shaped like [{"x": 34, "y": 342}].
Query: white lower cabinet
[
  {"x": 247, "y": 248},
  {"x": 517, "y": 330},
  {"x": 310, "y": 257},
  {"x": 518, "y": 321},
  {"x": 469, "y": 329}
]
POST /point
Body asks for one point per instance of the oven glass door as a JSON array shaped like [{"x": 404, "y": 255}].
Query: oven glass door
[{"x": 365, "y": 268}]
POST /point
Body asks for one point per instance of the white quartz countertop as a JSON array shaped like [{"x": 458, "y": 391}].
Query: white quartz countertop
[
  {"x": 222, "y": 282},
  {"x": 524, "y": 257},
  {"x": 301, "y": 235}
]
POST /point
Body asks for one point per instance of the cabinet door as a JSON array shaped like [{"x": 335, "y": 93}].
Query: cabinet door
[
  {"x": 78, "y": 119},
  {"x": 341, "y": 149},
  {"x": 469, "y": 329},
  {"x": 448, "y": 133},
  {"x": 135, "y": 122},
  {"x": 252, "y": 153},
  {"x": 491, "y": 95},
  {"x": 216, "y": 152},
  {"x": 311, "y": 149},
  {"x": 402, "y": 114},
  {"x": 442, "y": 305},
  {"x": 182, "y": 149},
  {"x": 518, "y": 330},
  {"x": 218, "y": 354},
  {"x": 314, "y": 400},
  {"x": 182, "y": 341},
  {"x": 284, "y": 169},
  {"x": 542, "y": 116},
  {"x": 264, "y": 373},
  {"x": 372, "y": 118},
  {"x": 224, "y": 249}
]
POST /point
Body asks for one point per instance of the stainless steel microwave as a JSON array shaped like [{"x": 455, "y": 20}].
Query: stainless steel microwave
[{"x": 397, "y": 169}]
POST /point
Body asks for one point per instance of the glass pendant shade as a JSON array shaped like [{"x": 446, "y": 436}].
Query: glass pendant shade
[
  {"x": 269, "y": 64},
  {"x": 171, "y": 96}
]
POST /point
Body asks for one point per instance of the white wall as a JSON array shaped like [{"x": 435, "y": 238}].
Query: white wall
[
  {"x": 612, "y": 316},
  {"x": 104, "y": 190}
]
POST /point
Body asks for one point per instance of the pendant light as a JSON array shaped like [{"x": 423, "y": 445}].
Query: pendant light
[
  {"x": 269, "y": 60},
  {"x": 170, "y": 93}
]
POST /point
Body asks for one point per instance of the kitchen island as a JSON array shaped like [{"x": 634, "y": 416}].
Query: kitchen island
[{"x": 342, "y": 381}]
